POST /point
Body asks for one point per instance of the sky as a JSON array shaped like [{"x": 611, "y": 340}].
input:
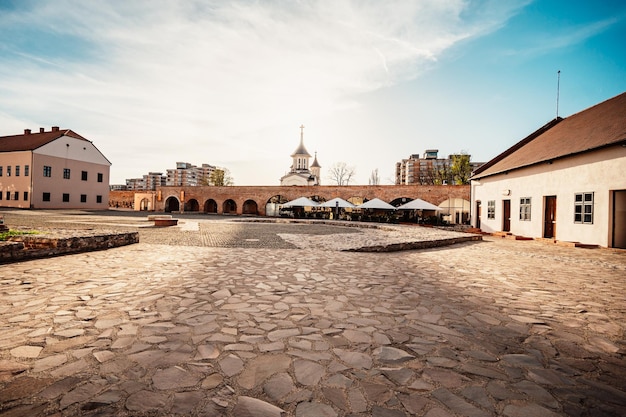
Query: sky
[{"x": 229, "y": 83}]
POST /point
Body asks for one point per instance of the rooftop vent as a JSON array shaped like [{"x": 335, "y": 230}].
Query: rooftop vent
[
  {"x": 55, "y": 128},
  {"x": 41, "y": 130},
  {"x": 27, "y": 131}
]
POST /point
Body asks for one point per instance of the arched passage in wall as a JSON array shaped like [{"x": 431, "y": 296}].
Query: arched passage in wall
[
  {"x": 229, "y": 207},
  {"x": 210, "y": 206},
  {"x": 192, "y": 205},
  {"x": 272, "y": 206},
  {"x": 455, "y": 210},
  {"x": 144, "y": 204},
  {"x": 172, "y": 204},
  {"x": 400, "y": 201},
  {"x": 250, "y": 207}
]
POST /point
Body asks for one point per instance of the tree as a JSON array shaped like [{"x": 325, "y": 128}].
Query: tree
[
  {"x": 461, "y": 169},
  {"x": 221, "y": 177},
  {"x": 374, "y": 178},
  {"x": 341, "y": 174}
]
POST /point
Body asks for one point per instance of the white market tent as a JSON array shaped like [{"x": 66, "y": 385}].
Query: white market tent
[
  {"x": 301, "y": 202},
  {"x": 337, "y": 202},
  {"x": 376, "y": 203},
  {"x": 419, "y": 204}
]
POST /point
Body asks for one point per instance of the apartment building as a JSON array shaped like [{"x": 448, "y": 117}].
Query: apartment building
[
  {"x": 428, "y": 169},
  {"x": 52, "y": 169},
  {"x": 148, "y": 182},
  {"x": 186, "y": 174}
]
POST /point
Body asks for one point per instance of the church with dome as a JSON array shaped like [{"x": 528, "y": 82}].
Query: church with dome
[{"x": 301, "y": 173}]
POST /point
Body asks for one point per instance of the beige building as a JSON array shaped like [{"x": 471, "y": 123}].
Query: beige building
[
  {"x": 54, "y": 169},
  {"x": 565, "y": 182},
  {"x": 300, "y": 172},
  {"x": 186, "y": 174},
  {"x": 428, "y": 169}
]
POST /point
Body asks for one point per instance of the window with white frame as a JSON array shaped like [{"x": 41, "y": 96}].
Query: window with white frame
[
  {"x": 583, "y": 208},
  {"x": 491, "y": 209},
  {"x": 524, "y": 209}
]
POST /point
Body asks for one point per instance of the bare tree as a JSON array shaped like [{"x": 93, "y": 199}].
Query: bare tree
[
  {"x": 341, "y": 174},
  {"x": 374, "y": 178}
]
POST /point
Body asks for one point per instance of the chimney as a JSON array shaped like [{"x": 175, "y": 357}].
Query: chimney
[
  {"x": 55, "y": 128},
  {"x": 41, "y": 130},
  {"x": 27, "y": 131}
]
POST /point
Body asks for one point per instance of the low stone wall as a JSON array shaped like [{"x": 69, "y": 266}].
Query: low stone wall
[
  {"x": 25, "y": 247},
  {"x": 425, "y": 244}
]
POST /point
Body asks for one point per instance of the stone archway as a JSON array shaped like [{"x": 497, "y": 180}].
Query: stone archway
[
  {"x": 273, "y": 205},
  {"x": 172, "y": 204},
  {"x": 250, "y": 207},
  {"x": 396, "y": 202},
  {"x": 192, "y": 205},
  {"x": 210, "y": 206},
  {"x": 229, "y": 207},
  {"x": 144, "y": 204}
]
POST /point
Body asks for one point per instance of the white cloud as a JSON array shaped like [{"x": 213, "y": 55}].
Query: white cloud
[{"x": 213, "y": 75}]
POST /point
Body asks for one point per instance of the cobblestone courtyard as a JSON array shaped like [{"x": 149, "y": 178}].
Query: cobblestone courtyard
[{"x": 173, "y": 326}]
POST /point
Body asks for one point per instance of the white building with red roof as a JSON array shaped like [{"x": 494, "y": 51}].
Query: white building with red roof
[
  {"x": 566, "y": 182},
  {"x": 52, "y": 170}
]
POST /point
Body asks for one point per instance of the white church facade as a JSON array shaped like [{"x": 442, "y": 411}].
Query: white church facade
[{"x": 301, "y": 172}]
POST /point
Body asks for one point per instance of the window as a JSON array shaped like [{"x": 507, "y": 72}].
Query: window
[
  {"x": 8, "y": 170},
  {"x": 46, "y": 197},
  {"x": 100, "y": 177},
  {"x": 83, "y": 198},
  {"x": 16, "y": 195},
  {"x": 66, "y": 198},
  {"x": 26, "y": 170},
  {"x": 583, "y": 208},
  {"x": 17, "y": 170},
  {"x": 98, "y": 199},
  {"x": 524, "y": 209},
  {"x": 83, "y": 175},
  {"x": 66, "y": 173},
  {"x": 8, "y": 195},
  {"x": 0, "y": 170},
  {"x": 25, "y": 195},
  {"x": 0, "y": 195},
  {"x": 47, "y": 171},
  {"x": 491, "y": 209}
]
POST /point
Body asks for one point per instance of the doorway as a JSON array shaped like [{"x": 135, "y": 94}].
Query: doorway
[
  {"x": 478, "y": 214},
  {"x": 506, "y": 215},
  {"x": 549, "y": 217},
  {"x": 619, "y": 219}
]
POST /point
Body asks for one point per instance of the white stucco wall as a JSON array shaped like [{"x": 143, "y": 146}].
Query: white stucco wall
[{"x": 599, "y": 172}]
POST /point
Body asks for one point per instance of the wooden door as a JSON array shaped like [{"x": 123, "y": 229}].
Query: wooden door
[
  {"x": 549, "y": 217},
  {"x": 506, "y": 213},
  {"x": 619, "y": 219}
]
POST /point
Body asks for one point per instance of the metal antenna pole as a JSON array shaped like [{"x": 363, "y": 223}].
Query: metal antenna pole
[{"x": 558, "y": 87}]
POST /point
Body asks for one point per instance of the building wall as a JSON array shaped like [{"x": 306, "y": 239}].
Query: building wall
[
  {"x": 599, "y": 172},
  {"x": 15, "y": 183},
  {"x": 434, "y": 194}
]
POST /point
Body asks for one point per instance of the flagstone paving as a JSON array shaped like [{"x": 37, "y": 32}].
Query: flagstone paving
[{"x": 492, "y": 328}]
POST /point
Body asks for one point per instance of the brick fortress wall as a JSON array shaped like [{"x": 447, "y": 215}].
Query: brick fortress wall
[{"x": 252, "y": 199}]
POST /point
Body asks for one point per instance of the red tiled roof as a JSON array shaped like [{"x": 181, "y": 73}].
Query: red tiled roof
[
  {"x": 597, "y": 127},
  {"x": 32, "y": 141}
]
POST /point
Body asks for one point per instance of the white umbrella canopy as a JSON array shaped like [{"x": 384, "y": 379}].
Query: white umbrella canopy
[
  {"x": 376, "y": 203},
  {"x": 333, "y": 203},
  {"x": 301, "y": 202},
  {"x": 418, "y": 204}
]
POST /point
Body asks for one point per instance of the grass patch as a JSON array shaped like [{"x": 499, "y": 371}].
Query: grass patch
[{"x": 10, "y": 233}]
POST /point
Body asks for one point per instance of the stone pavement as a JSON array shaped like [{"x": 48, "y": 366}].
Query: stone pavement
[{"x": 492, "y": 328}]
